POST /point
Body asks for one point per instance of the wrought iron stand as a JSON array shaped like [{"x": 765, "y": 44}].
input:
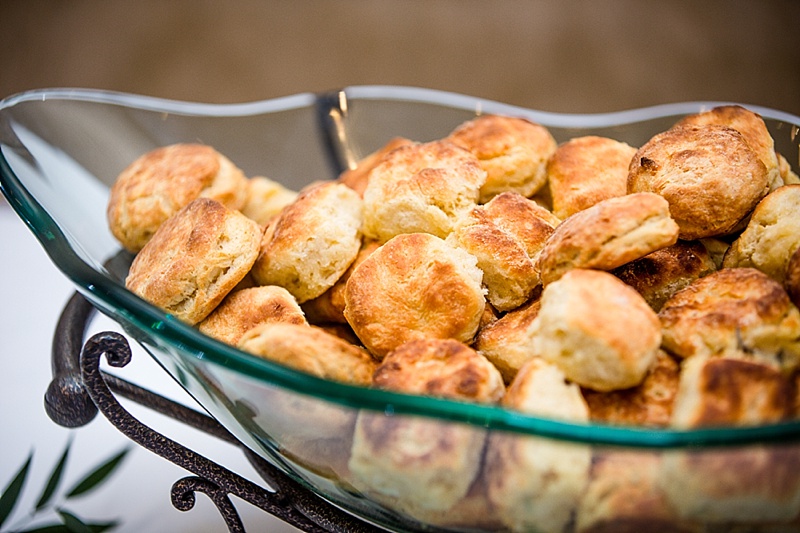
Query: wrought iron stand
[{"x": 80, "y": 389}]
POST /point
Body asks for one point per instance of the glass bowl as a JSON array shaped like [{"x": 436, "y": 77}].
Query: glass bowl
[{"x": 60, "y": 151}]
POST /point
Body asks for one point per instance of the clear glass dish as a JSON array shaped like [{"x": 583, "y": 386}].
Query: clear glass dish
[{"x": 60, "y": 151}]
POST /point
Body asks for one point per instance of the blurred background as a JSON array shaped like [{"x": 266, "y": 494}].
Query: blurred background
[{"x": 563, "y": 56}]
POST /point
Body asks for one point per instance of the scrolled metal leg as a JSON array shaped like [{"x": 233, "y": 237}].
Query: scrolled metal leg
[
  {"x": 117, "y": 352},
  {"x": 183, "y": 499},
  {"x": 66, "y": 401}
]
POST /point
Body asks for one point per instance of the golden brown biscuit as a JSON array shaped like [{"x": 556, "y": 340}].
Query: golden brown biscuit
[
  {"x": 599, "y": 331},
  {"x": 608, "y": 235},
  {"x": 506, "y": 236},
  {"x": 357, "y": 177},
  {"x": 586, "y": 170},
  {"x": 752, "y": 128},
  {"x": 265, "y": 199},
  {"x": 724, "y": 391},
  {"x": 414, "y": 286},
  {"x": 247, "y": 308},
  {"x": 710, "y": 176},
  {"x": 648, "y": 404},
  {"x": 161, "y": 182},
  {"x": 195, "y": 259},
  {"x": 659, "y": 275},
  {"x": 793, "y": 277},
  {"x": 624, "y": 496},
  {"x": 329, "y": 306},
  {"x": 444, "y": 368},
  {"x": 507, "y": 342},
  {"x": 753, "y": 485},
  {"x": 311, "y": 350},
  {"x": 313, "y": 241},
  {"x": 731, "y": 311},
  {"x": 535, "y": 483},
  {"x": 419, "y": 465},
  {"x": 771, "y": 235},
  {"x": 513, "y": 151},
  {"x": 421, "y": 188}
]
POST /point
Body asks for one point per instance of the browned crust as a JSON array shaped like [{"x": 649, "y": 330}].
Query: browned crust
[
  {"x": 160, "y": 182},
  {"x": 710, "y": 176},
  {"x": 195, "y": 259},
  {"x": 413, "y": 286},
  {"x": 660, "y": 274},
  {"x": 586, "y": 170},
  {"x": 648, "y": 404},
  {"x": 440, "y": 367},
  {"x": 714, "y": 315},
  {"x": 608, "y": 235}
]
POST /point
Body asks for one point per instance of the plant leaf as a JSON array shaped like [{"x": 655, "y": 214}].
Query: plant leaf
[
  {"x": 73, "y": 524},
  {"x": 12, "y": 491},
  {"x": 100, "y": 527},
  {"x": 98, "y": 475},
  {"x": 55, "y": 478}
]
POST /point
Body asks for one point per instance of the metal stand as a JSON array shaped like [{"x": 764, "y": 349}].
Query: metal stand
[{"x": 79, "y": 390}]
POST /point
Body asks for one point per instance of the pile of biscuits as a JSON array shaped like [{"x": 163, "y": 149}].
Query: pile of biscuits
[{"x": 655, "y": 286}]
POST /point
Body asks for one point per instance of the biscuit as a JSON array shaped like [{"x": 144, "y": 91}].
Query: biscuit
[
  {"x": 265, "y": 199},
  {"x": 310, "y": 349},
  {"x": 513, "y": 151},
  {"x": 419, "y": 465},
  {"x": 357, "y": 177},
  {"x": 754, "y": 485},
  {"x": 730, "y": 312},
  {"x": 421, "y": 188},
  {"x": 752, "y": 128},
  {"x": 329, "y": 306},
  {"x": 648, "y": 404},
  {"x": 443, "y": 368},
  {"x": 710, "y": 176},
  {"x": 322, "y": 441},
  {"x": 599, "y": 331},
  {"x": 159, "y": 183},
  {"x": 535, "y": 483},
  {"x": 624, "y": 495},
  {"x": 506, "y": 236},
  {"x": 659, "y": 275},
  {"x": 771, "y": 235},
  {"x": 723, "y": 391},
  {"x": 793, "y": 277},
  {"x": 313, "y": 241},
  {"x": 608, "y": 235},
  {"x": 247, "y": 308},
  {"x": 414, "y": 286},
  {"x": 586, "y": 170},
  {"x": 507, "y": 342},
  {"x": 195, "y": 258}
]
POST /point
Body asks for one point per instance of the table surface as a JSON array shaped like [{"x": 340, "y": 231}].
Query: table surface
[{"x": 33, "y": 293}]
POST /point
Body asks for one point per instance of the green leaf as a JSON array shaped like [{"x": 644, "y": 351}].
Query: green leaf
[
  {"x": 73, "y": 523},
  {"x": 55, "y": 478},
  {"x": 100, "y": 527},
  {"x": 98, "y": 475},
  {"x": 12, "y": 491}
]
